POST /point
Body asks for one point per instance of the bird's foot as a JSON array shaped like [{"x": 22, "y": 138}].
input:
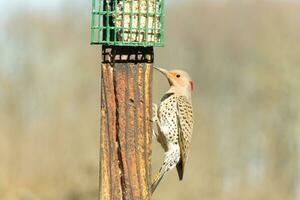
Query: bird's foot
[
  {"x": 154, "y": 134},
  {"x": 154, "y": 113}
]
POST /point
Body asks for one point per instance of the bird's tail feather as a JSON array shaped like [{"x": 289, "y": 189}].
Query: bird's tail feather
[
  {"x": 180, "y": 170},
  {"x": 157, "y": 180}
]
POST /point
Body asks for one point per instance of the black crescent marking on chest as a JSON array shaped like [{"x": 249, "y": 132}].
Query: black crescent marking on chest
[{"x": 166, "y": 96}]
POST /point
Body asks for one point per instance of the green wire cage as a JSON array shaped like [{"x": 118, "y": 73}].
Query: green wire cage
[{"x": 128, "y": 22}]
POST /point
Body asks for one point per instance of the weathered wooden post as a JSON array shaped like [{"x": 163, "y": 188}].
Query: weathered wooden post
[{"x": 128, "y": 31}]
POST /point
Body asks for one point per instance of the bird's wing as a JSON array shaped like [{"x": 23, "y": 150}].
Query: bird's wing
[{"x": 185, "y": 129}]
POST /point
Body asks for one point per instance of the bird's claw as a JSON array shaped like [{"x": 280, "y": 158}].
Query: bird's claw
[
  {"x": 154, "y": 113},
  {"x": 154, "y": 134},
  {"x": 154, "y": 118}
]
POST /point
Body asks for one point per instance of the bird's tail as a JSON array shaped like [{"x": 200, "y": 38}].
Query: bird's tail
[
  {"x": 169, "y": 163},
  {"x": 157, "y": 180}
]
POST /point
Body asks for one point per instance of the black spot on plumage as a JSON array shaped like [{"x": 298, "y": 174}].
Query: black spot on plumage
[{"x": 166, "y": 96}]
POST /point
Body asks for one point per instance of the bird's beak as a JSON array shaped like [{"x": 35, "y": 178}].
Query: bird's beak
[
  {"x": 166, "y": 73},
  {"x": 163, "y": 71}
]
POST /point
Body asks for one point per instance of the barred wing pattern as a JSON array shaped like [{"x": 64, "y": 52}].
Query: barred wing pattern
[{"x": 185, "y": 130}]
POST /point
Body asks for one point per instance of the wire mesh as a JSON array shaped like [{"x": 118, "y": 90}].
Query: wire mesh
[{"x": 128, "y": 22}]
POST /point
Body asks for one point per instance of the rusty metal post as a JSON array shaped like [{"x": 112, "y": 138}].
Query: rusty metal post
[{"x": 126, "y": 129}]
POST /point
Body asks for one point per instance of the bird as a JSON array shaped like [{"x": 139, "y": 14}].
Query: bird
[{"x": 174, "y": 120}]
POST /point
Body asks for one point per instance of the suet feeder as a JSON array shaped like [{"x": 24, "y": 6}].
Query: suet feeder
[
  {"x": 127, "y": 30},
  {"x": 128, "y": 22}
]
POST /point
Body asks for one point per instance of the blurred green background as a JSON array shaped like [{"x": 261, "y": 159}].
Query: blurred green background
[{"x": 244, "y": 57}]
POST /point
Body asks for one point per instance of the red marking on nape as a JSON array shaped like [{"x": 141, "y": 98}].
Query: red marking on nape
[{"x": 192, "y": 85}]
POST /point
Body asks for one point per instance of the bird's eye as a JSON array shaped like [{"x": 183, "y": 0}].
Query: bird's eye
[{"x": 178, "y": 76}]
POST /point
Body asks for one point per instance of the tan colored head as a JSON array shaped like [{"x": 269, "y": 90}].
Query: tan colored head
[{"x": 179, "y": 80}]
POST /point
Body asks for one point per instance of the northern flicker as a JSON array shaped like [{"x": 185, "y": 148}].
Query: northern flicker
[{"x": 174, "y": 119}]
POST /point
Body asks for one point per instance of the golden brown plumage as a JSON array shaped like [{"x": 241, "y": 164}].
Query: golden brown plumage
[
  {"x": 175, "y": 123},
  {"x": 185, "y": 130}
]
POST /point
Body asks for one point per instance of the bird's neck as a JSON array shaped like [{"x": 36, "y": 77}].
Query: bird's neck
[{"x": 181, "y": 92}]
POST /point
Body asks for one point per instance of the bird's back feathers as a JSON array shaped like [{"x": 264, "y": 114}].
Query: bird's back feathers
[{"x": 185, "y": 129}]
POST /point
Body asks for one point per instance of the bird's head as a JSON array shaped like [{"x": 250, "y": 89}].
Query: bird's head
[{"x": 178, "y": 79}]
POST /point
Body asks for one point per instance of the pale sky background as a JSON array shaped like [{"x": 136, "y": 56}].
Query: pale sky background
[
  {"x": 10, "y": 6},
  {"x": 34, "y": 4}
]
